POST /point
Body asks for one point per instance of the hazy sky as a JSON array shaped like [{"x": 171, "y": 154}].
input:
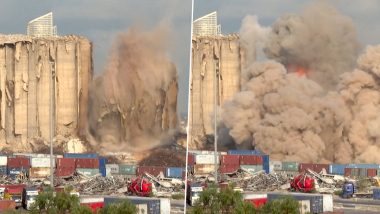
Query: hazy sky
[
  {"x": 102, "y": 20},
  {"x": 364, "y": 13}
]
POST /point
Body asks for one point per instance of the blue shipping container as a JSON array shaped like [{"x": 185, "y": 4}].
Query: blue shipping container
[
  {"x": 337, "y": 169},
  {"x": 14, "y": 171},
  {"x": 376, "y": 193},
  {"x": 266, "y": 163},
  {"x": 3, "y": 170},
  {"x": 80, "y": 155},
  {"x": 152, "y": 204},
  {"x": 245, "y": 152},
  {"x": 363, "y": 166},
  {"x": 102, "y": 166},
  {"x": 174, "y": 172}
]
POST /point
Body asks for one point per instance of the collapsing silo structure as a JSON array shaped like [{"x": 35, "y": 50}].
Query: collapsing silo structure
[
  {"x": 26, "y": 68},
  {"x": 215, "y": 60}
]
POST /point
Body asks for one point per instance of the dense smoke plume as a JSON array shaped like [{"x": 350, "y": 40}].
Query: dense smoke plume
[
  {"x": 330, "y": 114},
  {"x": 133, "y": 103}
]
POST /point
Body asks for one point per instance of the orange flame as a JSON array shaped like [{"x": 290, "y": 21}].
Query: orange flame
[{"x": 298, "y": 70}]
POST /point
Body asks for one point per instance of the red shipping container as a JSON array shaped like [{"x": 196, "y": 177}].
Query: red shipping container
[
  {"x": 18, "y": 162},
  {"x": 251, "y": 160},
  {"x": 315, "y": 167},
  {"x": 94, "y": 206},
  {"x": 66, "y": 162},
  {"x": 230, "y": 159},
  {"x": 14, "y": 188},
  {"x": 7, "y": 205},
  {"x": 190, "y": 159},
  {"x": 229, "y": 168},
  {"x": 64, "y": 171},
  {"x": 371, "y": 172},
  {"x": 91, "y": 163},
  {"x": 153, "y": 170},
  {"x": 347, "y": 172},
  {"x": 257, "y": 202}
]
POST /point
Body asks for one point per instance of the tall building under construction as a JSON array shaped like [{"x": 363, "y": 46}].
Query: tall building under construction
[
  {"x": 207, "y": 25},
  {"x": 42, "y": 26}
]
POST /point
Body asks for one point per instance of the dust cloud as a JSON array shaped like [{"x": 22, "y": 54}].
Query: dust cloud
[
  {"x": 330, "y": 114},
  {"x": 133, "y": 102}
]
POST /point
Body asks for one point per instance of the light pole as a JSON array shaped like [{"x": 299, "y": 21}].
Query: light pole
[
  {"x": 52, "y": 121},
  {"x": 216, "y": 92}
]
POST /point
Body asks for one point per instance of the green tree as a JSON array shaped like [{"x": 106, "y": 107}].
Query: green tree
[
  {"x": 213, "y": 201},
  {"x": 124, "y": 207}
]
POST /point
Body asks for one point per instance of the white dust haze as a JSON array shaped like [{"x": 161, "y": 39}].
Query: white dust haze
[
  {"x": 331, "y": 114},
  {"x": 133, "y": 103}
]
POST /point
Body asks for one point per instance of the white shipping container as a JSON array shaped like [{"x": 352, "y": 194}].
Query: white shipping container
[
  {"x": 206, "y": 159},
  {"x": 91, "y": 199},
  {"x": 276, "y": 165},
  {"x": 41, "y": 162},
  {"x": 249, "y": 196},
  {"x": 304, "y": 206},
  {"x": 112, "y": 169},
  {"x": 328, "y": 204},
  {"x": 3, "y": 160},
  {"x": 201, "y": 152},
  {"x": 164, "y": 205}
]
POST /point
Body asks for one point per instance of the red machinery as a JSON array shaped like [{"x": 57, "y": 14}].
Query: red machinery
[
  {"x": 302, "y": 183},
  {"x": 140, "y": 187}
]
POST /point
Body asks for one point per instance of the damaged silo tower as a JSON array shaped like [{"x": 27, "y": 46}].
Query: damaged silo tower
[
  {"x": 213, "y": 57},
  {"x": 26, "y": 68}
]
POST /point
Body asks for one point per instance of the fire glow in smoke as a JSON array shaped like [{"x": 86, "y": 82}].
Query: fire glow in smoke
[
  {"x": 133, "y": 103},
  {"x": 332, "y": 113}
]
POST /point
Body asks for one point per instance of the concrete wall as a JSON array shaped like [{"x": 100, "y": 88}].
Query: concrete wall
[
  {"x": 26, "y": 68},
  {"x": 218, "y": 57}
]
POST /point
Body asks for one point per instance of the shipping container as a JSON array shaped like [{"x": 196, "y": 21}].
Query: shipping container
[
  {"x": 66, "y": 162},
  {"x": 39, "y": 172},
  {"x": 88, "y": 171},
  {"x": 290, "y": 166},
  {"x": 315, "y": 167},
  {"x": 153, "y": 170},
  {"x": 202, "y": 169},
  {"x": 376, "y": 193},
  {"x": 328, "y": 204},
  {"x": 206, "y": 159},
  {"x": 266, "y": 163},
  {"x": 229, "y": 160},
  {"x": 102, "y": 166},
  {"x": 190, "y": 159},
  {"x": 64, "y": 171},
  {"x": 3, "y": 170},
  {"x": 316, "y": 200},
  {"x": 15, "y": 171},
  {"x": 275, "y": 165},
  {"x": 363, "y": 166},
  {"x": 174, "y": 172},
  {"x": 153, "y": 204},
  {"x": 112, "y": 169},
  {"x": 229, "y": 168},
  {"x": 378, "y": 173},
  {"x": 251, "y": 160},
  {"x": 41, "y": 162},
  {"x": 337, "y": 169},
  {"x": 18, "y": 162},
  {"x": 245, "y": 152},
  {"x": 256, "y": 199},
  {"x": 89, "y": 163},
  {"x": 7, "y": 205},
  {"x": 205, "y": 152},
  {"x": 371, "y": 172},
  {"x": 127, "y": 169},
  {"x": 80, "y": 155},
  {"x": 3, "y": 160},
  {"x": 252, "y": 168}
]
